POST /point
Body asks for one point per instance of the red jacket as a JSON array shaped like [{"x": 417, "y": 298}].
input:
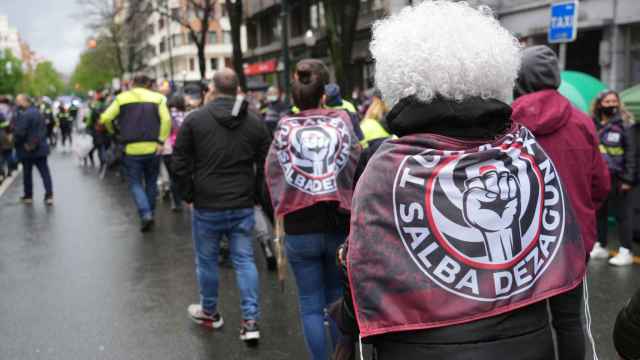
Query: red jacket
[{"x": 569, "y": 138}]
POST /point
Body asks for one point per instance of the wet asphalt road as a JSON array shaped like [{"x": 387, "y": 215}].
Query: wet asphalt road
[{"x": 79, "y": 281}]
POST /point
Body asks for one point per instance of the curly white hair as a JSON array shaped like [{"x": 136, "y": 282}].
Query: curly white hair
[{"x": 447, "y": 49}]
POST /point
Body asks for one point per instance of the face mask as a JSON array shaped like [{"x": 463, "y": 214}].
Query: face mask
[
  {"x": 272, "y": 98},
  {"x": 609, "y": 111}
]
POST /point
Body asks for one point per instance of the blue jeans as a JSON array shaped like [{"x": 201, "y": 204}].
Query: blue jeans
[
  {"x": 143, "y": 170},
  {"x": 313, "y": 261},
  {"x": 27, "y": 177},
  {"x": 237, "y": 225}
]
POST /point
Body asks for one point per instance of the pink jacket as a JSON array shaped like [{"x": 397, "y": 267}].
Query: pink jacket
[{"x": 569, "y": 138}]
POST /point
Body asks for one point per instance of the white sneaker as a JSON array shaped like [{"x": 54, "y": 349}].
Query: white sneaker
[
  {"x": 209, "y": 320},
  {"x": 624, "y": 258},
  {"x": 599, "y": 252}
]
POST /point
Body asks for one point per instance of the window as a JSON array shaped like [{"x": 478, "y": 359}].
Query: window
[
  {"x": 192, "y": 64},
  {"x": 252, "y": 35},
  {"x": 299, "y": 19},
  {"x": 213, "y": 62},
  {"x": 213, "y": 37},
  {"x": 161, "y": 23},
  {"x": 175, "y": 13},
  {"x": 226, "y": 37},
  {"x": 163, "y": 44},
  {"x": 317, "y": 15},
  {"x": 177, "y": 40}
]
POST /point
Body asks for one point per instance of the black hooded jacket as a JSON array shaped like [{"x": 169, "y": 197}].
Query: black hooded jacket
[{"x": 219, "y": 157}]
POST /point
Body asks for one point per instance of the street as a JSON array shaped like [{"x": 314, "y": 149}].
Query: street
[{"x": 79, "y": 281}]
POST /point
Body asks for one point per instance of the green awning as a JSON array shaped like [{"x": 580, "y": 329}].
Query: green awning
[
  {"x": 631, "y": 100},
  {"x": 580, "y": 88}
]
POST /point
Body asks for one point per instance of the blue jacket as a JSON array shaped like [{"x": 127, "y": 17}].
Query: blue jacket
[{"x": 30, "y": 134}]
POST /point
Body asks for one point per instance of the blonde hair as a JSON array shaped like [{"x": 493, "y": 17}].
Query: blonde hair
[
  {"x": 446, "y": 49},
  {"x": 376, "y": 110}
]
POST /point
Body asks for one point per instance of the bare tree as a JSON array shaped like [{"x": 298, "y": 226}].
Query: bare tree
[
  {"x": 123, "y": 25},
  {"x": 234, "y": 9},
  {"x": 195, "y": 16},
  {"x": 101, "y": 17},
  {"x": 341, "y": 17}
]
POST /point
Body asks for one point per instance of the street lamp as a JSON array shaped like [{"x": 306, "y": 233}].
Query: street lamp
[{"x": 310, "y": 38}]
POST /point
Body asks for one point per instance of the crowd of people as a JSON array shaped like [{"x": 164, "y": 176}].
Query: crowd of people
[{"x": 466, "y": 217}]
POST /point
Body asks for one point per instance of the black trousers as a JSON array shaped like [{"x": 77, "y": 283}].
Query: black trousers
[
  {"x": 566, "y": 310},
  {"x": 621, "y": 205}
]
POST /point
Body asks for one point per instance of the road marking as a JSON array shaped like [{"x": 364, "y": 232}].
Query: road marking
[{"x": 8, "y": 181}]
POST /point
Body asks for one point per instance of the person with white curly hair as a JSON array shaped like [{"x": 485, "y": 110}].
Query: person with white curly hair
[{"x": 445, "y": 258}]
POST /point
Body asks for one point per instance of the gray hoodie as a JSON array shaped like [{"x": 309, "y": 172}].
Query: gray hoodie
[{"x": 539, "y": 71}]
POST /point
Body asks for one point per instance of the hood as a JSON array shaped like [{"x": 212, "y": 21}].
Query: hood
[
  {"x": 222, "y": 109},
  {"x": 543, "y": 112},
  {"x": 539, "y": 71},
  {"x": 472, "y": 118}
]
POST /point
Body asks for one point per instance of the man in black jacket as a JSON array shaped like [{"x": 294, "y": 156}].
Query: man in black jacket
[
  {"x": 219, "y": 164},
  {"x": 30, "y": 135}
]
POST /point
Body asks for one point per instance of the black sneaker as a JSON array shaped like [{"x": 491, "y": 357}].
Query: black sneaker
[
  {"x": 249, "y": 331},
  {"x": 147, "y": 224},
  {"x": 48, "y": 200},
  {"x": 27, "y": 200}
]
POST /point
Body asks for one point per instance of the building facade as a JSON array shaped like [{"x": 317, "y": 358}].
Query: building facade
[
  {"x": 607, "y": 46},
  {"x": 170, "y": 53},
  {"x": 9, "y": 38},
  {"x": 608, "y": 42},
  {"x": 306, "y": 25}
]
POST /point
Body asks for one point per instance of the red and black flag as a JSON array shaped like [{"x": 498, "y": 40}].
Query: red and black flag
[
  {"x": 312, "y": 159},
  {"x": 446, "y": 232}
]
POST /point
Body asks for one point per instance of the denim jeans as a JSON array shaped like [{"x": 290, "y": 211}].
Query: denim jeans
[
  {"x": 237, "y": 225},
  {"x": 143, "y": 170},
  {"x": 27, "y": 178},
  {"x": 313, "y": 261}
]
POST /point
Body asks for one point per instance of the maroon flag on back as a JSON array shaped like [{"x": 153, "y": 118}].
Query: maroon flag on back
[
  {"x": 312, "y": 159},
  {"x": 445, "y": 232}
]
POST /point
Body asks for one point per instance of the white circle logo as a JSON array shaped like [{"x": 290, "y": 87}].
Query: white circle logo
[
  {"x": 312, "y": 151},
  {"x": 483, "y": 225}
]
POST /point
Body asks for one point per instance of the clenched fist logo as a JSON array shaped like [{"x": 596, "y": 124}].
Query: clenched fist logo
[
  {"x": 314, "y": 147},
  {"x": 491, "y": 204}
]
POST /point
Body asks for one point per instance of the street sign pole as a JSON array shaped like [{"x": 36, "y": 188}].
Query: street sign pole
[
  {"x": 563, "y": 27},
  {"x": 562, "y": 56}
]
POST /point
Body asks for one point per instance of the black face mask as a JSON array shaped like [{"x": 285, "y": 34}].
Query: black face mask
[{"x": 609, "y": 111}]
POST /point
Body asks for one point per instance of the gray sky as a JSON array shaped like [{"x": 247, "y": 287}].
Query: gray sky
[{"x": 52, "y": 28}]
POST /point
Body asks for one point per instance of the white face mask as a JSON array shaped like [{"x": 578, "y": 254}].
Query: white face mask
[{"x": 272, "y": 98}]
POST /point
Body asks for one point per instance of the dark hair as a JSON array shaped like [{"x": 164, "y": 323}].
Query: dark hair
[
  {"x": 226, "y": 82},
  {"x": 177, "y": 101},
  {"x": 308, "y": 85},
  {"x": 142, "y": 80}
]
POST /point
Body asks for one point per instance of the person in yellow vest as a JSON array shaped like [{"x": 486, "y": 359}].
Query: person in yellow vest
[
  {"x": 143, "y": 124},
  {"x": 333, "y": 99},
  {"x": 372, "y": 128}
]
